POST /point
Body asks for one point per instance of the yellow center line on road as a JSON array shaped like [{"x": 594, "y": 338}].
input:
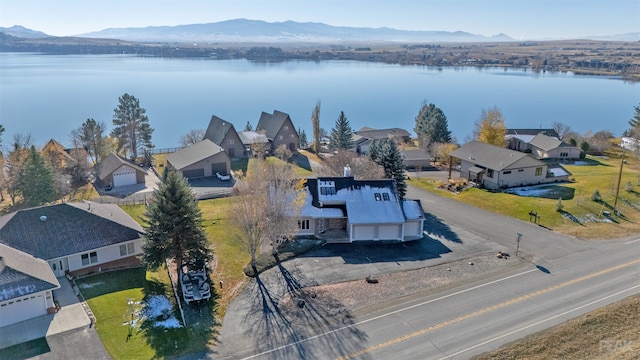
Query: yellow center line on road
[{"x": 485, "y": 310}]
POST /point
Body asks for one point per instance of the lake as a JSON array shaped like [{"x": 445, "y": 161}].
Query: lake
[{"x": 50, "y": 95}]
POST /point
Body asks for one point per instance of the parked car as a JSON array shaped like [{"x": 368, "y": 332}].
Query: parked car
[
  {"x": 108, "y": 188},
  {"x": 223, "y": 176}
]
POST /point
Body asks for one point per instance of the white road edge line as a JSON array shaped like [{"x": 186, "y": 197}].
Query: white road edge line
[
  {"x": 632, "y": 241},
  {"x": 387, "y": 314},
  {"x": 539, "y": 322}
]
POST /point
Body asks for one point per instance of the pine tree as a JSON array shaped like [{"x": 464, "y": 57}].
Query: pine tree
[
  {"x": 315, "y": 122},
  {"x": 131, "y": 126},
  {"x": 174, "y": 226},
  {"x": 431, "y": 126},
  {"x": 304, "y": 142},
  {"x": 386, "y": 153},
  {"x": 634, "y": 122},
  {"x": 36, "y": 180},
  {"x": 341, "y": 134},
  {"x": 248, "y": 127}
]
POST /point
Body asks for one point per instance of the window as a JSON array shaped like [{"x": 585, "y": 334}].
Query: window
[
  {"x": 377, "y": 196},
  {"x": 507, "y": 172},
  {"x": 286, "y": 128},
  {"x": 291, "y": 136},
  {"x": 520, "y": 170},
  {"x": 90, "y": 258},
  {"x": 326, "y": 190},
  {"x": 127, "y": 249},
  {"x": 385, "y": 196},
  {"x": 279, "y": 137},
  {"x": 564, "y": 154},
  {"x": 303, "y": 224},
  {"x": 490, "y": 173},
  {"x": 230, "y": 141},
  {"x": 538, "y": 171}
]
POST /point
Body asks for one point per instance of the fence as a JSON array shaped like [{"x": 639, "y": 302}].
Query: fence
[{"x": 165, "y": 150}]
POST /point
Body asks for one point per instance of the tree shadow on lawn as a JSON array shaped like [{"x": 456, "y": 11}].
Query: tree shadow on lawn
[
  {"x": 288, "y": 319},
  {"x": 571, "y": 217},
  {"x": 189, "y": 339}
]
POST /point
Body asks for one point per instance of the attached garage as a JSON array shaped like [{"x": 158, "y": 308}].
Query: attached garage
[
  {"x": 219, "y": 167},
  {"x": 124, "y": 176},
  {"x": 21, "y": 309},
  {"x": 194, "y": 173}
]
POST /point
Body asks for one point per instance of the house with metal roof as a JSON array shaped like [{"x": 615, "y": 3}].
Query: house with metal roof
[
  {"x": 117, "y": 172},
  {"x": 26, "y": 285},
  {"x": 279, "y": 129},
  {"x": 223, "y": 134},
  {"x": 202, "y": 159},
  {"x": 342, "y": 209},
  {"x": 495, "y": 167}
]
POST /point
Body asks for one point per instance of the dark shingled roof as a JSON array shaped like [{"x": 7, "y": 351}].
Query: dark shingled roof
[
  {"x": 68, "y": 229},
  {"x": 21, "y": 274},
  {"x": 375, "y": 134},
  {"x": 271, "y": 124},
  {"x": 218, "y": 129}
]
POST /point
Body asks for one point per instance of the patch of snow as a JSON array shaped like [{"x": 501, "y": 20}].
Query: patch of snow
[
  {"x": 532, "y": 191},
  {"x": 159, "y": 306},
  {"x": 580, "y": 163},
  {"x": 90, "y": 285},
  {"x": 11, "y": 293}
]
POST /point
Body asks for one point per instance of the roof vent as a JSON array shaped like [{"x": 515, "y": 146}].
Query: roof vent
[{"x": 43, "y": 218}]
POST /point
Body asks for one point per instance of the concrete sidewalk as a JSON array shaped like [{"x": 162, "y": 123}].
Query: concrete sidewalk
[{"x": 72, "y": 315}]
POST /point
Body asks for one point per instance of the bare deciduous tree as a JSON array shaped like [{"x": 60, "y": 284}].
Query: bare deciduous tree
[
  {"x": 561, "y": 128},
  {"x": 362, "y": 168},
  {"x": 315, "y": 122},
  {"x": 192, "y": 137}
]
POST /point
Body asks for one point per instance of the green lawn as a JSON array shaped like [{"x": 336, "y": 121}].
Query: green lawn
[
  {"x": 108, "y": 295},
  {"x": 582, "y": 216}
]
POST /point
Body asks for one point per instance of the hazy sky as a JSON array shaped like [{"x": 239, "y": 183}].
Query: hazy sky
[{"x": 520, "y": 19}]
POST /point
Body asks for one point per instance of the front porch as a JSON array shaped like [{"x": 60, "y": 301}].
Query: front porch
[{"x": 334, "y": 236}]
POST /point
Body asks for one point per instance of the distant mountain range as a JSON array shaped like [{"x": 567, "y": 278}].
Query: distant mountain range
[{"x": 243, "y": 30}]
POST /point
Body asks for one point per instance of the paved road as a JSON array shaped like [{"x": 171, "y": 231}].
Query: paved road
[{"x": 567, "y": 277}]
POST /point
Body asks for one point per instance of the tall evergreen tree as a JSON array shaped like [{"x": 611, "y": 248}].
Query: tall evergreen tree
[
  {"x": 131, "y": 126},
  {"x": 431, "y": 126},
  {"x": 341, "y": 134},
  {"x": 304, "y": 142},
  {"x": 386, "y": 153},
  {"x": 36, "y": 180},
  {"x": 174, "y": 226},
  {"x": 248, "y": 126},
  {"x": 315, "y": 122}
]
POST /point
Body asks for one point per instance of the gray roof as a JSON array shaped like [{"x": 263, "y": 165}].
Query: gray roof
[
  {"x": 54, "y": 231},
  {"x": 271, "y": 124},
  {"x": 549, "y": 132},
  {"x": 193, "y": 153},
  {"x": 415, "y": 155},
  {"x": 383, "y": 133},
  {"x": 491, "y": 156},
  {"x": 112, "y": 163},
  {"x": 218, "y": 129},
  {"x": 252, "y": 137},
  {"x": 22, "y": 274},
  {"x": 545, "y": 142}
]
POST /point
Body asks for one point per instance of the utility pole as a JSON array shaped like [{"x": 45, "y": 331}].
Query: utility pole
[{"x": 618, "y": 188}]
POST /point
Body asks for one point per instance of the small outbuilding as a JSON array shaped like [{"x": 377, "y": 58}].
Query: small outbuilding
[{"x": 117, "y": 172}]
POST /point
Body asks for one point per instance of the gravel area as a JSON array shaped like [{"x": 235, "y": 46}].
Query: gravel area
[{"x": 353, "y": 296}]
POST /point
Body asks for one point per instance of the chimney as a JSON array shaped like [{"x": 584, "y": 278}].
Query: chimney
[{"x": 347, "y": 171}]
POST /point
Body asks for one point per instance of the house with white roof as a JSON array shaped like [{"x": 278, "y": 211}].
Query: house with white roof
[
  {"x": 543, "y": 146},
  {"x": 360, "y": 210}
]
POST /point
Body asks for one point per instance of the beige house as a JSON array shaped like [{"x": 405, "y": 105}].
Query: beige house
[
  {"x": 495, "y": 167},
  {"x": 116, "y": 171},
  {"x": 202, "y": 159},
  {"x": 542, "y": 146}
]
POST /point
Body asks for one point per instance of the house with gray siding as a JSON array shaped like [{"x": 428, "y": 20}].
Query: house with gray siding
[
  {"x": 279, "y": 129},
  {"x": 202, "y": 159},
  {"x": 223, "y": 134}
]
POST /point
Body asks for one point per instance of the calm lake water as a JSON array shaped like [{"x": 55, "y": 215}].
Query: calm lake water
[{"x": 49, "y": 96}]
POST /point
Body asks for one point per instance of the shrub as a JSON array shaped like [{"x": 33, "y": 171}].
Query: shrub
[
  {"x": 629, "y": 186},
  {"x": 559, "y": 205},
  {"x": 596, "y": 196}
]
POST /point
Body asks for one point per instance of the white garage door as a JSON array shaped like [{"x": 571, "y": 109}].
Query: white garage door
[
  {"x": 124, "y": 176},
  {"x": 363, "y": 232},
  {"x": 20, "y": 309},
  {"x": 412, "y": 229},
  {"x": 389, "y": 232}
]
